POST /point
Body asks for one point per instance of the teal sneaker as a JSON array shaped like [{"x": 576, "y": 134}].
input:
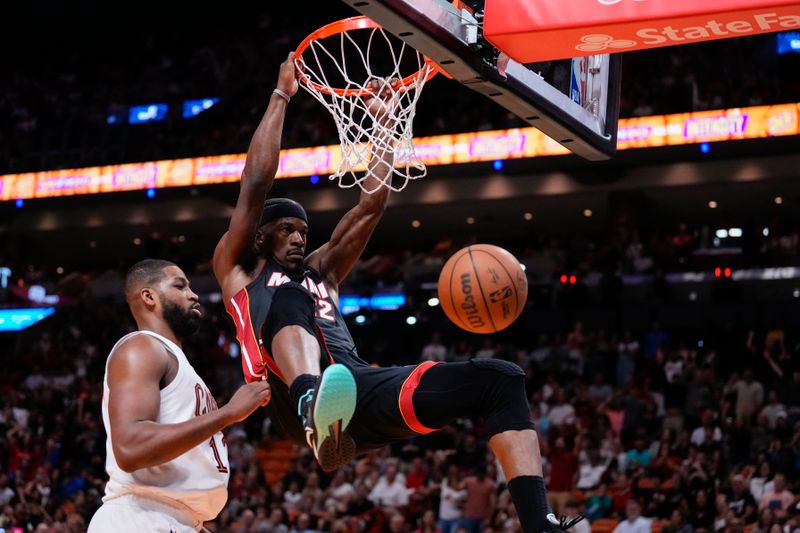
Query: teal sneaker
[{"x": 326, "y": 412}]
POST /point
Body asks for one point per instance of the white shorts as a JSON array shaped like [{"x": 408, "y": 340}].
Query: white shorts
[{"x": 135, "y": 514}]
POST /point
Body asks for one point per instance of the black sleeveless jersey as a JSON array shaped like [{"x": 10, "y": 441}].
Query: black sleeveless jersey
[{"x": 249, "y": 309}]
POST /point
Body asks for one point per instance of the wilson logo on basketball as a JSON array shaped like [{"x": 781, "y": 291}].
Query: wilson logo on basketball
[
  {"x": 468, "y": 305},
  {"x": 597, "y": 42},
  {"x": 501, "y": 294}
]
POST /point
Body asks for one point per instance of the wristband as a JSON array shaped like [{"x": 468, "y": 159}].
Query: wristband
[{"x": 282, "y": 94}]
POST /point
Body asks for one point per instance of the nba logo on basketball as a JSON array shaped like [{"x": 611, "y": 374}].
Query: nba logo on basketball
[
  {"x": 502, "y": 294},
  {"x": 483, "y": 288}
]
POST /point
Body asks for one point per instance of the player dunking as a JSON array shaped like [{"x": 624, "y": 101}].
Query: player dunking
[
  {"x": 166, "y": 457},
  {"x": 284, "y": 305}
]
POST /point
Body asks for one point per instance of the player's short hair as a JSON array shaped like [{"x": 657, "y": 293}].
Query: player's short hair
[{"x": 145, "y": 273}]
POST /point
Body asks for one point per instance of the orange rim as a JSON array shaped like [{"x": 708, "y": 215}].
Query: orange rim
[{"x": 350, "y": 24}]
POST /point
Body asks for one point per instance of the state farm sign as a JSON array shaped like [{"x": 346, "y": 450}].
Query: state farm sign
[
  {"x": 759, "y": 23},
  {"x": 540, "y": 31}
]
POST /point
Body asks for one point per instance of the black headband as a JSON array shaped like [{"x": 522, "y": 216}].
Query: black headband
[{"x": 276, "y": 208}]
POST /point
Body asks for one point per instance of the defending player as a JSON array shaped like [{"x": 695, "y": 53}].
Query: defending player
[{"x": 166, "y": 457}]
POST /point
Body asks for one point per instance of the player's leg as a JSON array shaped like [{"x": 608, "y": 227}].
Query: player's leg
[
  {"x": 325, "y": 401},
  {"x": 495, "y": 390}
]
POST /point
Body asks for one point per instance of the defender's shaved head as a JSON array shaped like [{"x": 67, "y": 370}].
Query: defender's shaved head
[{"x": 143, "y": 274}]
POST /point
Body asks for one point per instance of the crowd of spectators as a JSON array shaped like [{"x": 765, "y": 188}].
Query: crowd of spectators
[
  {"x": 640, "y": 427},
  {"x": 627, "y": 253},
  {"x": 59, "y": 93},
  {"x": 624, "y": 252}
]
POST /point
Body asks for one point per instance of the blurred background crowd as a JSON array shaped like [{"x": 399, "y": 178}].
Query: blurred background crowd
[
  {"x": 652, "y": 423},
  {"x": 661, "y": 354}
]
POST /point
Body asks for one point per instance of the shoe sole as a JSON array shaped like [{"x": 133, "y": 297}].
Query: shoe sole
[{"x": 334, "y": 406}]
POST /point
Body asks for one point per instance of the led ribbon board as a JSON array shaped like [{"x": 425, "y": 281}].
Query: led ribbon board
[
  {"x": 475, "y": 147},
  {"x": 384, "y": 302},
  {"x": 19, "y": 319}
]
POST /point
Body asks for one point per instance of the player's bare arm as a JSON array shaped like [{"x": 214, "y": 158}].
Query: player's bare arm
[
  {"x": 137, "y": 370},
  {"x": 234, "y": 256},
  {"x": 335, "y": 259}
]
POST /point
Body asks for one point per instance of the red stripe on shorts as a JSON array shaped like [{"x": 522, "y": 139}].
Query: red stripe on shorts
[{"x": 405, "y": 400}]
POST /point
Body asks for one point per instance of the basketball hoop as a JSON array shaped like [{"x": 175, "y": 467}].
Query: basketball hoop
[{"x": 341, "y": 71}]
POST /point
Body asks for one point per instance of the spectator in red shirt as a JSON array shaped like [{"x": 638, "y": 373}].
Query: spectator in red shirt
[
  {"x": 418, "y": 474},
  {"x": 622, "y": 494},
  {"x": 480, "y": 501},
  {"x": 563, "y": 469}
]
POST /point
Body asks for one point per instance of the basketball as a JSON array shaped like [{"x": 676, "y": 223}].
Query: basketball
[{"x": 482, "y": 288}]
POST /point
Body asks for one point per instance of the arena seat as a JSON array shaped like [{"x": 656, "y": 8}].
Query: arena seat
[
  {"x": 604, "y": 525},
  {"x": 274, "y": 459},
  {"x": 658, "y": 525}
]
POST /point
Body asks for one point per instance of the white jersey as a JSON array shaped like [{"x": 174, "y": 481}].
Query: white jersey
[{"x": 196, "y": 481}]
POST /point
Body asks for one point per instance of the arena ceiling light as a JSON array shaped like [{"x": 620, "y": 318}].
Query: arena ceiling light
[
  {"x": 733, "y": 233},
  {"x": 192, "y": 108},
  {"x": 140, "y": 114}
]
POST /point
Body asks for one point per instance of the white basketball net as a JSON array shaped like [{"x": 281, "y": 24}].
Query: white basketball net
[{"x": 362, "y": 134}]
